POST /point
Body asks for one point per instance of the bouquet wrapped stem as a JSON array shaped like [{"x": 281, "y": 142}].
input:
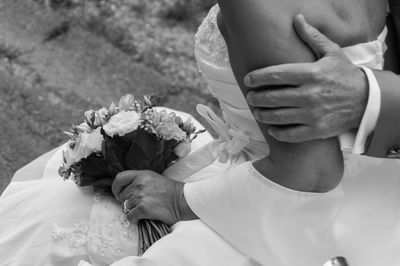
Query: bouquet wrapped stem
[{"x": 150, "y": 232}]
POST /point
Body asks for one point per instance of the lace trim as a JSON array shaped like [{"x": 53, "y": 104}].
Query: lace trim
[
  {"x": 76, "y": 237},
  {"x": 209, "y": 39},
  {"x": 104, "y": 240}
]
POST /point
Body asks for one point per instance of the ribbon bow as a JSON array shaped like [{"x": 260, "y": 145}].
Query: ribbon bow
[
  {"x": 229, "y": 145},
  {"x": 232, "y": 140}
]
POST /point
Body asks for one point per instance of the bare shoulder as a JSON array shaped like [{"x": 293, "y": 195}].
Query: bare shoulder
[
  {"x": 347, "y": 22},
  {"x": 362, "y": 19}
]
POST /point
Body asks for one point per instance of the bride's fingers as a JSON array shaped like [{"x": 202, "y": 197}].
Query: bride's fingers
[
  {"x": 136, "y": 214},
  {"x": 281, "y": 116},
  {"x": 122, "y": 180},
  {"x": 131, "y": 202},
  {"x": 292, "y": 134},
  {"x": 126, "y": 193}
]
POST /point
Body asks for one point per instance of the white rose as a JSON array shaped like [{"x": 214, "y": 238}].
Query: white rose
[
  {"x": 88, "y": 143},
  {"x": 98, "y": 120},
  {"x": 166, "y": 127},
  {"x": 122, "y": 123},
  {"x": 101, "y": 116},
  {"x": 183, "y": 149},
  {"x": 170, "y": 131},
  {"x": 68, "y": 157},
  {"x": 85, "y": 145}
]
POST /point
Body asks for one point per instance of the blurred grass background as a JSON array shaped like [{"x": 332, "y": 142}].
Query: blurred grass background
[{"x": 59, "y": 58}]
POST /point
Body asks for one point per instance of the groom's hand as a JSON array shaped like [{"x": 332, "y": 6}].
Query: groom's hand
[
  {"x": 313, "y": 100},
  {"x": 149, "y": 195}
]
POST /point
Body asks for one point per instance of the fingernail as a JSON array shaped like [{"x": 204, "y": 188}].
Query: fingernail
[
  {"x": 247, "y": 80},
  {"x": 301, "y": 16},
  {"x": 256, "y": 114},
  {"x": 249, "y": 98},
  {"x": 304, "y": 21}
]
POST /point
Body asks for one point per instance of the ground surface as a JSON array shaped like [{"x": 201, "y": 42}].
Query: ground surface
[{"x": 55, "y": 63}]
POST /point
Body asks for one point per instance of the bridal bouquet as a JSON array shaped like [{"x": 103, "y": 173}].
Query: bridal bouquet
[{"x": 130, "y": 136}]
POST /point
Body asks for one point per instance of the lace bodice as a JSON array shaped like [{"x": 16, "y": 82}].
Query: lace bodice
[{"x": 209, "y": 38}]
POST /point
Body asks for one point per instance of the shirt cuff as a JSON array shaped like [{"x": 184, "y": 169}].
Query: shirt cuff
[{"x": 355, "y": 142}]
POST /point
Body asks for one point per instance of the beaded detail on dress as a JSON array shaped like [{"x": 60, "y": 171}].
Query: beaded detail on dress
[
  {"x": 103, "y": 234},
  {"x": 209, "y": 39},
  {"x": 76, "y": 237}
]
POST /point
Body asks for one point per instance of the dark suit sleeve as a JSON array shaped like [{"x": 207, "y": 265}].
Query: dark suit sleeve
[
  {"x": 385, "y": 140},
  {"x": 386, "y": 136}
]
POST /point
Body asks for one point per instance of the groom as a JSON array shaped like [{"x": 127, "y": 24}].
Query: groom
[{"x": 367, "y": 104}]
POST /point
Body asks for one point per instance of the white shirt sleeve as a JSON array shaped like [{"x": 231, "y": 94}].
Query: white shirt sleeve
[{"x": 355, "y": 142}]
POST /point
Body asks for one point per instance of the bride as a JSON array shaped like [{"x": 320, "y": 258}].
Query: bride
[{"x": 289, "y": 208}]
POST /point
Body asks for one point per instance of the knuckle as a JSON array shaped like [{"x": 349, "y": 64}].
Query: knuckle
[
  {"x": 314, "y": 33},
  {"x": 272, "y": 117},
  {"x": 275, "y": 76},
  {"x": 118, "y": 178},
  {"x": 258, "y": 114},
  {"x": 271, "y": 98},
  {"x": 140, "y": 195},
  {"x": 264, "y": 96},
  {"x": 277, "y": 134},
  {"x": 313, "y": 117},
  {"x": 141, "y": 181},
  {"x": 291, "y": 135},
  {"x": 320, "y": 127},
  {"x": 147, "y": 173},
  {"x": 139, "y": 188},
  {"x": 141, "y": 208},
  {"x": 316, "y": 73},
  {"x": 277, "y": 117},
  {"x": 269, "y": 76},
  {"x": 314, "y": 96},
  {"x": 251, "y": 97}
]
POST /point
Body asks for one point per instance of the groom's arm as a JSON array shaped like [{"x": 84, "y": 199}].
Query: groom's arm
[
  {"x": 380, "y": 134},
  {"x": 385, "y": 140}
]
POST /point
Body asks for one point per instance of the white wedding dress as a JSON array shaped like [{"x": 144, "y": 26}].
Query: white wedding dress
[{"x": 46, "y": 221}]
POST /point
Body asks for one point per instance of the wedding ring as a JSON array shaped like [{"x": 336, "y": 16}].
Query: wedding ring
[
  {"x": 338, "y": 261},
  {"x": 126, "y": 210}
]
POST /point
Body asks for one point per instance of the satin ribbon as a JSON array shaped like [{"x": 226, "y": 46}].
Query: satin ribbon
[{"x": 228, "y": 147}]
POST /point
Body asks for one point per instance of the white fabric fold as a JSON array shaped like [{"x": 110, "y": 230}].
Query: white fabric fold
[{"x": 264, "y": 220}]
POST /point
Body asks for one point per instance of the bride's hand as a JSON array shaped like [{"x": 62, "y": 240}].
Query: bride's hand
[{"x": 149, "y": 195}]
